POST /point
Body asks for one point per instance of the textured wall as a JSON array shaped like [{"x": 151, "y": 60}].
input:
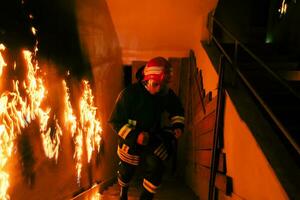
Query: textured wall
[
  {"x": 101, "y": 46},
  {"x": 80, "y": 37}
]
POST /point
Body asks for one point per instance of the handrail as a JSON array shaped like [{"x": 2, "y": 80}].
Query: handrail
[
  {"x": 193, "y": 64},
  {"x": 251, "y": 88},
  {"x": 200, "y": 95},
  {"x": 215, "y": 149},
  {"x": 258, "y": 60}
]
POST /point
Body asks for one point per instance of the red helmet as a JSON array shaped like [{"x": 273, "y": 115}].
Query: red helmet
[{"x": 158, "y": 69}]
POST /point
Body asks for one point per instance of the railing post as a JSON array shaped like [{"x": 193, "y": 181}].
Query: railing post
[
  {"x": 209, "y": 25},
  {"x": 216, "y": 149},
  {"x": 235, "y": 63}
]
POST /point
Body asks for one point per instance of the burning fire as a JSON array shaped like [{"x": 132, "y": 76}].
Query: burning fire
[
  {"x": 88, "y": 121},
  {"x": 26, "y": 103},
  {"x": 2, "y": 62}
]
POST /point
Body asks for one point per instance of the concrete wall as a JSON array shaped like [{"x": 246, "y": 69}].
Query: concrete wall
[{"x": 253, "y": 177}]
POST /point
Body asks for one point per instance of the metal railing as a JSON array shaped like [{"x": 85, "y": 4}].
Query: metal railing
[
  {"x": 233, "y": 61},
  {"x": 197, "y": 82},
  {"x": 215, "y": 149}
]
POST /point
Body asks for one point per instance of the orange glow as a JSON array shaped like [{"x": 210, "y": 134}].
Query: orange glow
[
  {"x": 93, "y": 193},
  {"x": 95, "y": 196}
]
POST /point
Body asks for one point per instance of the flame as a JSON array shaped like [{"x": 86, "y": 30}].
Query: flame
[
  {"x": 2, "y": 62},
  {"x": 93, "y": 193},
  {"x": 51, "y": 142},
  {"x": 69, "y": 117},
  {"x": 89, "y": 124},
  {"x": 12, "y": 119},
  {"x": 94, "y": 196},
  {"x": 71, "y": 125},
  {"x": 4, "y": 184},
  {"x": 36, "y": 93},
  {"x": 14, "y": 115},
  {"x": 283, "y": 9},
  {"x": 78, "y": 140},
  {"x": 34, "y": 87},
  {"x": 33, "y": 30},
  {"x": 26, "y": 103}
]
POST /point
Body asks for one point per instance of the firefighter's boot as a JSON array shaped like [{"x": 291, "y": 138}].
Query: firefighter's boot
[
  {"x": 146, "y": 195},
  {"x": 124, "y": 193}
]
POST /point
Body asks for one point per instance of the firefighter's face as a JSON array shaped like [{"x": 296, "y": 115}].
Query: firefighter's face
[{"x": 153, "y": 86}]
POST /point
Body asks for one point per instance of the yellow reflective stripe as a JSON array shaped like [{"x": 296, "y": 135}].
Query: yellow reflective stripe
[
  {"x": 126, "y": 157},
  {"x": 149, "y": 186},
  {"x": 161, "y": 151},
  {"x": 125, "y": 148},
  {"x": 127, "y": 160},
  {"x": 164, "y": 155},
  {"x": 153, "y": 70},
  {"x": 124, "y": 131},
  {"x": 132, "y": 122},
  {"x": 158, "y": 149},
  {"x": 177, "y": 119},
  {"x": 122, "y": 184}
]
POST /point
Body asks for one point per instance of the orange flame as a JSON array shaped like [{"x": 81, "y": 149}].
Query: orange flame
[
  {"x": 12, "y": 119},
  {"x": 51, "y": 143},
  {"x": 88, "y": 121},
  {"x": 2, "y": 62},
  {"x": 4, "y": 184},
  {"x": 17, "y": 111},
  {"x": 71, "y": 125},
  {"x": 78, "y": 153},
  {"x": 69, "y": 117},
  {"x": 36, "y": 92}
]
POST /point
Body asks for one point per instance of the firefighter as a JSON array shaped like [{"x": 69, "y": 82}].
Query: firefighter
[{"x": 137, "y": 120}]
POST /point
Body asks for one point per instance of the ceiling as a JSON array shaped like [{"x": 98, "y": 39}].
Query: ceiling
[{"x": 154, "y": 26}]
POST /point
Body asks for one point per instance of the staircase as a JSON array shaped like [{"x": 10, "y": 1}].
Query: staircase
[
  {"x": 265, "y": 71},
  {"x": 280, "y": 93}
]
